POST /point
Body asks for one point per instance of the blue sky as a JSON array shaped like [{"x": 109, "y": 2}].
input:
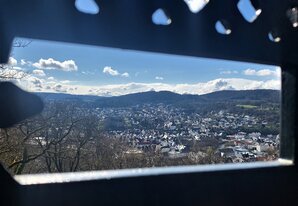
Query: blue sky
[
  {"x": 141, "y": 66},
  {"x": 73, "y": 68},
  {"x": 82, "y": 66}
]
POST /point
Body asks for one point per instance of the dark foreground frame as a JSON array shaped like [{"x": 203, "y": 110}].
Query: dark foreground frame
[{"x": 250, "y": 184}]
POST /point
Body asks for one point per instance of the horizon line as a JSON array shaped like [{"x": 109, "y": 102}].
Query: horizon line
[{"x": 94, "y": 95}]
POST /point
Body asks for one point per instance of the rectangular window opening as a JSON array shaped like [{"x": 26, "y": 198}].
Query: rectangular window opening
[{"x": 110, "y": 109}]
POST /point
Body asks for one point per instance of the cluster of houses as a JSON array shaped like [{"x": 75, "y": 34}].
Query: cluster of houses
[
  {"x": 243, "y": 147},
  {"x": 172, "y": 131}
]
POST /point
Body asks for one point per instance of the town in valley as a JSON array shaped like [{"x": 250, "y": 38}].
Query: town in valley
[{"x": 149, "y": 129}]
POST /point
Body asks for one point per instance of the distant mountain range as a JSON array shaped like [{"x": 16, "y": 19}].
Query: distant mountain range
[{"x": 168, "y": 97}]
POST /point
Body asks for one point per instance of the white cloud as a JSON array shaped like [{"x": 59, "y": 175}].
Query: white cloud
[
  {"x": 198, "y": 88},
  {"x": 32, "y": 83},
  {"x": 263, "y": 72},
  {"x": 110, "y": 71},
  {"x": 113, "y": 72},
  {"x": 229, "y": 72},
  {"x": 18, "y": 68},
  {"x": 12, "y": 61},
  {"x": 59, "y": 88},
  {"x": 65, "y": 81},
  {"x": 125, "y": 74},
  {"x": 51, "y": 78},
  {"x": 39, "y": 72},
  {"x": 158, "y": 78},
  {"x": 24, "y": 62},
  {"x": 68, "y": 65},
  {"x": 278, "y": 72},
  {"x": 11, "y": 67},
  {"x": 36, "y": 82}
]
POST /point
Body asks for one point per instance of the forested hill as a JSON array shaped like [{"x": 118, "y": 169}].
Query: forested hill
[
  {"x": 169, "y": 97},
  {"x": 255, "y": 95},
  {"x": 67, "y": 97}
]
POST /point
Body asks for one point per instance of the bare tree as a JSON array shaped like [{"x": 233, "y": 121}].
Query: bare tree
[
  {"x": 21, "y": 43},
  {"x": 7, "y": 71}
]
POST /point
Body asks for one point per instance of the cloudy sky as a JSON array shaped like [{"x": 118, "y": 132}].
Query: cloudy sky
[{"x": 80, "y": 69}]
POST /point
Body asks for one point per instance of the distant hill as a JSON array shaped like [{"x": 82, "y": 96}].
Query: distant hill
[
  {"x": 169, "y": 97},
  {"x": 67, "y": 97},
  {"x": 174, "y": 98},
  {"x": 243, "y": 95},
  {"x": 146, "y": 97}
]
